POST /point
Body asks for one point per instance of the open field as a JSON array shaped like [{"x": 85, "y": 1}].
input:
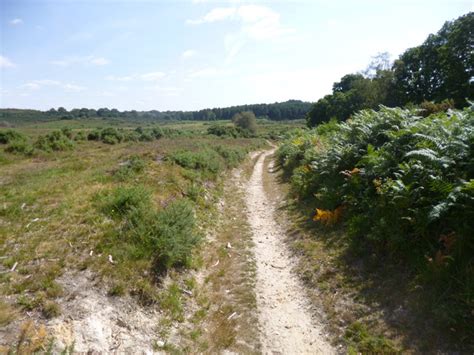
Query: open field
[{"x": 85, "y": 209}]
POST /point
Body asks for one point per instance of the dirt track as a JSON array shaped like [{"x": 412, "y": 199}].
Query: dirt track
[{"x": 285, "y": 320}]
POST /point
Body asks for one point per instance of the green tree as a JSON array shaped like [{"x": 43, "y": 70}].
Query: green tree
[
  {"x": 441, "y": 68},
  {"x": 246, "y": 120}
]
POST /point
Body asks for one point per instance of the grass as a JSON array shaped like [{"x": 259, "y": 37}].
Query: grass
[
  {"x": 55, "y": 216},
  {"x": 360, "y": 341},
  {"x": 7, "y": 313},
  {"x": 66, "y": 210},
  {"x": 229, "y": 285}
]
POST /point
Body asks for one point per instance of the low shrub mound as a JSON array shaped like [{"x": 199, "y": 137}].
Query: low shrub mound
[
  {"x": 229, "y": 131},
  {"x": 54, "y": 141},
  {"x": 167, "y": 236},
  {"x": 207, "y": 160},
  {"x": 20, "y": 147},
  {"x": 10, "y": 136},
  {"x": 403, "y": 185},
  {"x": 130, "y": 168},
  {"x": 210, "y": 161},
  {"x": 111, "y": 135}
]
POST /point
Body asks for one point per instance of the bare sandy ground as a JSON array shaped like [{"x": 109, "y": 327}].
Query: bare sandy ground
[{"x": 287, "y": 326}]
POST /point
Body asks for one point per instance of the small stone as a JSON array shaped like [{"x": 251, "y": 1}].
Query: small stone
[{"x": 160, "y": 343}]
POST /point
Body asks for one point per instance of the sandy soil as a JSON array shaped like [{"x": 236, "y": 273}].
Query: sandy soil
[
  {"x": 97, "y": 323},
  {"x": 287, "y": 326}
]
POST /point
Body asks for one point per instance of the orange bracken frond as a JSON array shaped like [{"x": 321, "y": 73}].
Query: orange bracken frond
[{"x": 328, "y": 217}]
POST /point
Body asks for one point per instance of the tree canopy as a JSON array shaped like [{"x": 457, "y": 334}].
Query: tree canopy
[{"x": 442, "y": 68}]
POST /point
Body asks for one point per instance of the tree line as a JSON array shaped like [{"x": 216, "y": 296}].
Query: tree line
[
  {"x": 289, "y": 110},
  {"x": 442, "y": 68}
]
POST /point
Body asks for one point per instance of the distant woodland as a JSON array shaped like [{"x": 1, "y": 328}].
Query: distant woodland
[{"x": 289, "y": 110}]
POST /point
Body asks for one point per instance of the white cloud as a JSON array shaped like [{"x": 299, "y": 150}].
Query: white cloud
[
  {"x": 6, "y": 63},
  {"x": 31, "y": 86},
  {"x": 61, "y": 63},
  {"x": 188, "y": 54},
  {"x": 120, "y": 78},
  {"x": 16, "y": 21},
  {"x": 210, "y": 72},
  {"x": 38, "y": 84},
  {"x": 167, "y": 91},
  {"x": 204, "y": 73},
  {"x": 73, "y": 88},
  {"x": 258, "y": 23},
  {"x": 99, "y": 61},
  {"x": 152, "y": 76},
  {"x": 216, "y": 14},
  {"x": 87, "y": 60},
  {"x": 106, "y": 94}
]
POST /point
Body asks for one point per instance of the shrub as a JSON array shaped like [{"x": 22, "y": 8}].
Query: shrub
[
  {"x": 120, "y": 202},
  {"x": 67, "y": 132},
  {"x": 405, "y": 186},
  {"x": 246, "y": 120},
  {"x": 111, "y": 135},
  {"x": 194, "y": 191},
  {"x": 175, "y": 237},
  {"x": 54, "y": 141},
  {"x": 131, "y": 136},
  {"x": 206, "y": 160},
  {"x": 428, "y": 107},
  {"x": 80, "y": 136},
  {"x": 224, "y": 131},
  {"x": 94, "y": 135},
  {"x": 146, "y": 137},
  {"x": 19, "y": 146},
  {"x": 157, "y": 132},
  {"x": 232, "y": 156},
  {"x": 130, "y": 168},
  {"x": 167, "y": 236},
  {"x": 10, "y": 136}
]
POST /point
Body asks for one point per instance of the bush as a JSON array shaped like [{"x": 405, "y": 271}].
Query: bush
[
  {"x": 111, "y": 136},
  {"x": 167, "y": 236},
  {"x": 232, "y": 156},
  {"x": 246, "y": 120},
  {"x": 10, "y": 136},
  {"x": 404, "y": 185},
  {"x": 146, "y": 137},
  {"x": 67, "y": 132},
  {"x": 428, "y": 107},
  {"x": 94, "y": 135},
  {"x": 122, "y": 201},
  {"x": 54, "y": 141},
  {"x": 131, "y": 136},
  {"x": 174, "y": 237},
  {"x": 19, "y": 146},
  {"x": 157, "y": 132},
  {"x": 206, "y": 160},
  {"x": 80, "y": 136},
  {"x": 224, "y": 131}
]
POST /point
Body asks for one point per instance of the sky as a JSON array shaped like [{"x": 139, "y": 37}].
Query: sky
[{"x": 195, "y": 54}]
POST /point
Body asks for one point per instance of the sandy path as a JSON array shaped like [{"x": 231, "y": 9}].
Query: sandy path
[{"x": 285, "y": 320}]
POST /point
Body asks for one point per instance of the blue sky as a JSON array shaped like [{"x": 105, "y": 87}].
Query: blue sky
[{"x": 193, "y": 54}]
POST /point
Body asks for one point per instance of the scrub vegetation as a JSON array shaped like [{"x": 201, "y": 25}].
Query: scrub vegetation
[{"x": 129, "y": 209}]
